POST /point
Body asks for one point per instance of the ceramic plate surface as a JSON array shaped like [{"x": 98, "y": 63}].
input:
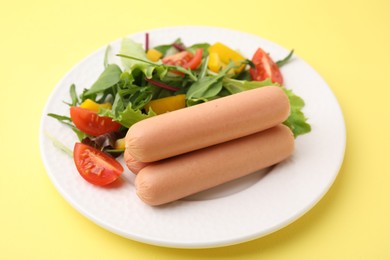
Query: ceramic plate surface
[{"x": 236, "y": 212}]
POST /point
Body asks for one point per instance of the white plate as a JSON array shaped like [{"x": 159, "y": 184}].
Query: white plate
[{"x": 236, "y": 212}]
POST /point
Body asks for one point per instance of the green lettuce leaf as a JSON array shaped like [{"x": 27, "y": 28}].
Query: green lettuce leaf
[
  {"x": 297, "y": 121},
  {"x": 133, "y": 49},
  {"x": 128, "y": 116}
]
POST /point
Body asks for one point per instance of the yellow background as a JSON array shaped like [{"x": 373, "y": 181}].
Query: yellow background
[{"x": 347, "y": 42}]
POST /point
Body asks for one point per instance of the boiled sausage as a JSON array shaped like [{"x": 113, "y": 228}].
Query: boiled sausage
[
  {"x": 177, "y": 177},
  {"x": 133, "y": 165},
  {"x": 207, "y": 124}
]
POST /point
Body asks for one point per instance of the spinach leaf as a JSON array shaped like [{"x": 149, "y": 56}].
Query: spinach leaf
[
  {"x": 205, "y": 87},
  {"x": 204, "y": 46},
  {"x": 235, "y": 86},
  {"x": 109, "y": 77}
]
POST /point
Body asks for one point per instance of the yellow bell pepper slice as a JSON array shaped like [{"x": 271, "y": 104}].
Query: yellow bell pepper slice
[
  {"x": 225, "y": 54},
  {"x": 167, "y": 104},
  {"x": 92, "y": 105},
  {"x": 153, "y": 55},
  {"x": 120, "y": 144},
  {"x": 214, "y": 63}
]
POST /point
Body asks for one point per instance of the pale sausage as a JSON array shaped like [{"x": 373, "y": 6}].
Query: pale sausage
[
  {"x": 177, "y": 177},
  {"x": 207, "y": 124},
  {"x": 132, "y": 164}
]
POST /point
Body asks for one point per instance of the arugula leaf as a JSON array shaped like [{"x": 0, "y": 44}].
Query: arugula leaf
[
  {"x": 80, "y": 134},
  {"x": 59, "y": 145},
  {"x": 280, "y": 63},
  {"x": 106, "y": 53},
  {"x": 63, "y": 119},
  {"x": 141, "y": 98},
  {"x": 109, "y": 77},
  {"x": 297, "y": 121},
  {"x": 203, "y": 68},
  {"x": 73, "y": 95},
  {"x": 196, "y": 101},
  {"x": 128, "y": 116},
  {"x": 207, "y": 87},
  {"x": 68, "y": 121},
  {"x": 244, "y": 75}
]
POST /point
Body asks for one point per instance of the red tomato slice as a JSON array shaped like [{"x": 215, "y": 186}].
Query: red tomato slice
[
  {"x": 91, "y": 123},
  {"x": 96, "y": 166},
  {"x": 265, "y": 68},
  {"x": 185, "y": 59}
]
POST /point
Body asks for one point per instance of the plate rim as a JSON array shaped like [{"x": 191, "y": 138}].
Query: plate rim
[{"x": 150, "y": 240}]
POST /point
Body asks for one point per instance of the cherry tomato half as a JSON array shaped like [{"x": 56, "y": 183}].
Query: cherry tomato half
[
  {"x": 91, "y": 123},
  {"x": 185, "y": 59},
  {"x": 265, "y": 68},
  {"x": 96, "y": 166}
]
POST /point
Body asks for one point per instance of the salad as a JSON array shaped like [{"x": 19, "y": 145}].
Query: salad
[{"x": 152, "y": 80}]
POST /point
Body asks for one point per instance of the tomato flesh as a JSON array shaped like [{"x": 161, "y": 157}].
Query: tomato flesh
[
  {"x": 95, "y": 166},
  {"x": 91, "y": 123},
  {"x": 185, "y": 59},
  {"x": 265, "y": 68}
]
